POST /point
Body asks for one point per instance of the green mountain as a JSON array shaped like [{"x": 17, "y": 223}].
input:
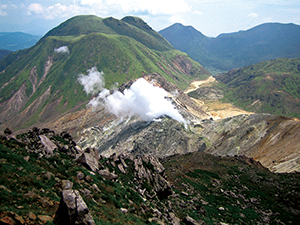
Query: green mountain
[
  {"x": 128, "y": 26},
  {"x": 4, "y": 53},
  {"x": 14, "y": 41},
  {"x": 234, "y": 50},
  {"x": 268, "y": 87},
  {"x": 38, "y": 83}
]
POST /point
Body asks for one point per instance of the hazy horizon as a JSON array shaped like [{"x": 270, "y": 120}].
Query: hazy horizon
[{"x": 211, "y": 17}]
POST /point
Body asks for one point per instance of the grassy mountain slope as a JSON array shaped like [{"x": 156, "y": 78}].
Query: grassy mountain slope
[
  {"x": 14, "y": 41},
  {"x": 207, "y": 188},
  {"x": 231, "y": 190},
  {"x": 234, "y": 50},
  {"x": 135, "y": 28},
  {"x": 269, "y": 87},
  {"x": 80, "y": 25},
  {"x": 188, "y": 39},
  {"x": 40, "y": 82}
]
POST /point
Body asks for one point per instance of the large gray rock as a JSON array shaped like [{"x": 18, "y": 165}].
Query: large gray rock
[
  {"x": 190, "y": 221},
  {"x": 90, "y": 159},
  {"x": 107, "y": 175},
  {"x": 173, "y": 219},
  {"x": 66, "y": 185},
  {"x": 49, "y": 145},
  {"x": 72, "y": 210}
]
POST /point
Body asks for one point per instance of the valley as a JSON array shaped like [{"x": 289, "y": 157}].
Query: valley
[{"x": 212, "y": 105}]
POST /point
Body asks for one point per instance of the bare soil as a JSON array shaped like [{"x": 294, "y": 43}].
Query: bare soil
[{"x": 217, "y": 109}]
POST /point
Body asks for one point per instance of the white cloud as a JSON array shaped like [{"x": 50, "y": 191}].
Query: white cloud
[
  {"x": 58, "y": 10},
  {"x": 198, "y": 13},
  {"x": 35, "y": 8},
  {"x": 252, "y": 15},
  {"x": 3, "y": 13},
  {"x": 90, "y": 2},
  {"x": 2, "y": 10},
  {"x": 177, "y": 19},
  {"x": 172, "y": 9},
  {"x": 154, "y": 7}
]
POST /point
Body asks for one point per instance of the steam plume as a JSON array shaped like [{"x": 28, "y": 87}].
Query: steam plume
[
  {"x": 142, "y": 99},
  {"x": 62, "y": 49}
]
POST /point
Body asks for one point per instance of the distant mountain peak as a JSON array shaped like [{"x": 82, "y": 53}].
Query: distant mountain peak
[
  {"x": 238, "y": 49},
  {"x": 138, "y": 22}
]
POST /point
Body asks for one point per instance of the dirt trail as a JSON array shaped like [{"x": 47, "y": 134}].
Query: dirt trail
[
  {"x": 196, "y": 84},
  {"x": 217, "y": 109}
]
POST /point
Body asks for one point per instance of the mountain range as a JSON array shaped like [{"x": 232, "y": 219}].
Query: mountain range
[
  {"x": 105, "y": 122},
  {"x": 40, "y": 83},
  {"x": 234, "y": 50},
  {"x": 14, "y": 41},
  {"x": 43, "y": 86}
]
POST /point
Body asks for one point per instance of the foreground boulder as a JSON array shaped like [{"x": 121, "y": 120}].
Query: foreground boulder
[
  {"x": 90, "y": 159},
  {"x": 72, "y": 210}
]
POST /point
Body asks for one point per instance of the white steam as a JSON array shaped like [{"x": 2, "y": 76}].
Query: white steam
[
  {"x": 62, "y": 49},
  {"x": 142, "y": 99},
  {"x": 93, "y": 82}
]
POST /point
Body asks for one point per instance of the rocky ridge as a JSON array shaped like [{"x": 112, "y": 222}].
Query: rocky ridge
[
  {"x": 271, "y": 140},
  {"x": 124, "y": 188},
  {"x": 260, "y": 136},
  {"x": 144, "y": 171}
]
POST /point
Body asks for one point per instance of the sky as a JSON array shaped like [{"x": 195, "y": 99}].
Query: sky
[{"x": 210, "y": 17}]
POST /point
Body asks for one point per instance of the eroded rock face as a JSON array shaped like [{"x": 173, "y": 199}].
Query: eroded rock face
[
  {"x": 151, "y": 173},
  {"x": 13, "y": 105},
  {"x": 271, "y": 140},
  {"x": 45, "y": 142},
  {"x": 160, "y": 138},
  {"x": 72, "y": 210}
]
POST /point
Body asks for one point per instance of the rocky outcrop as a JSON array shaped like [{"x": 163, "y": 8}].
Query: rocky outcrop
[
  {"x": 271, "y": 140},
  {"x": 107, "y": 175},
  {"x": 14, "y": 104},
  {"x": 48, "y": 144},
  {"x": 188, "y": 108},
  {"x": 72, "y": 210},
  {"x": 190, "y": 221},
  {"x": 45, "y": 141},
  {"x": 188, "y": 191},
  {"x": 145, "y": 171},
  {"x": 160, "y": 138}
]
